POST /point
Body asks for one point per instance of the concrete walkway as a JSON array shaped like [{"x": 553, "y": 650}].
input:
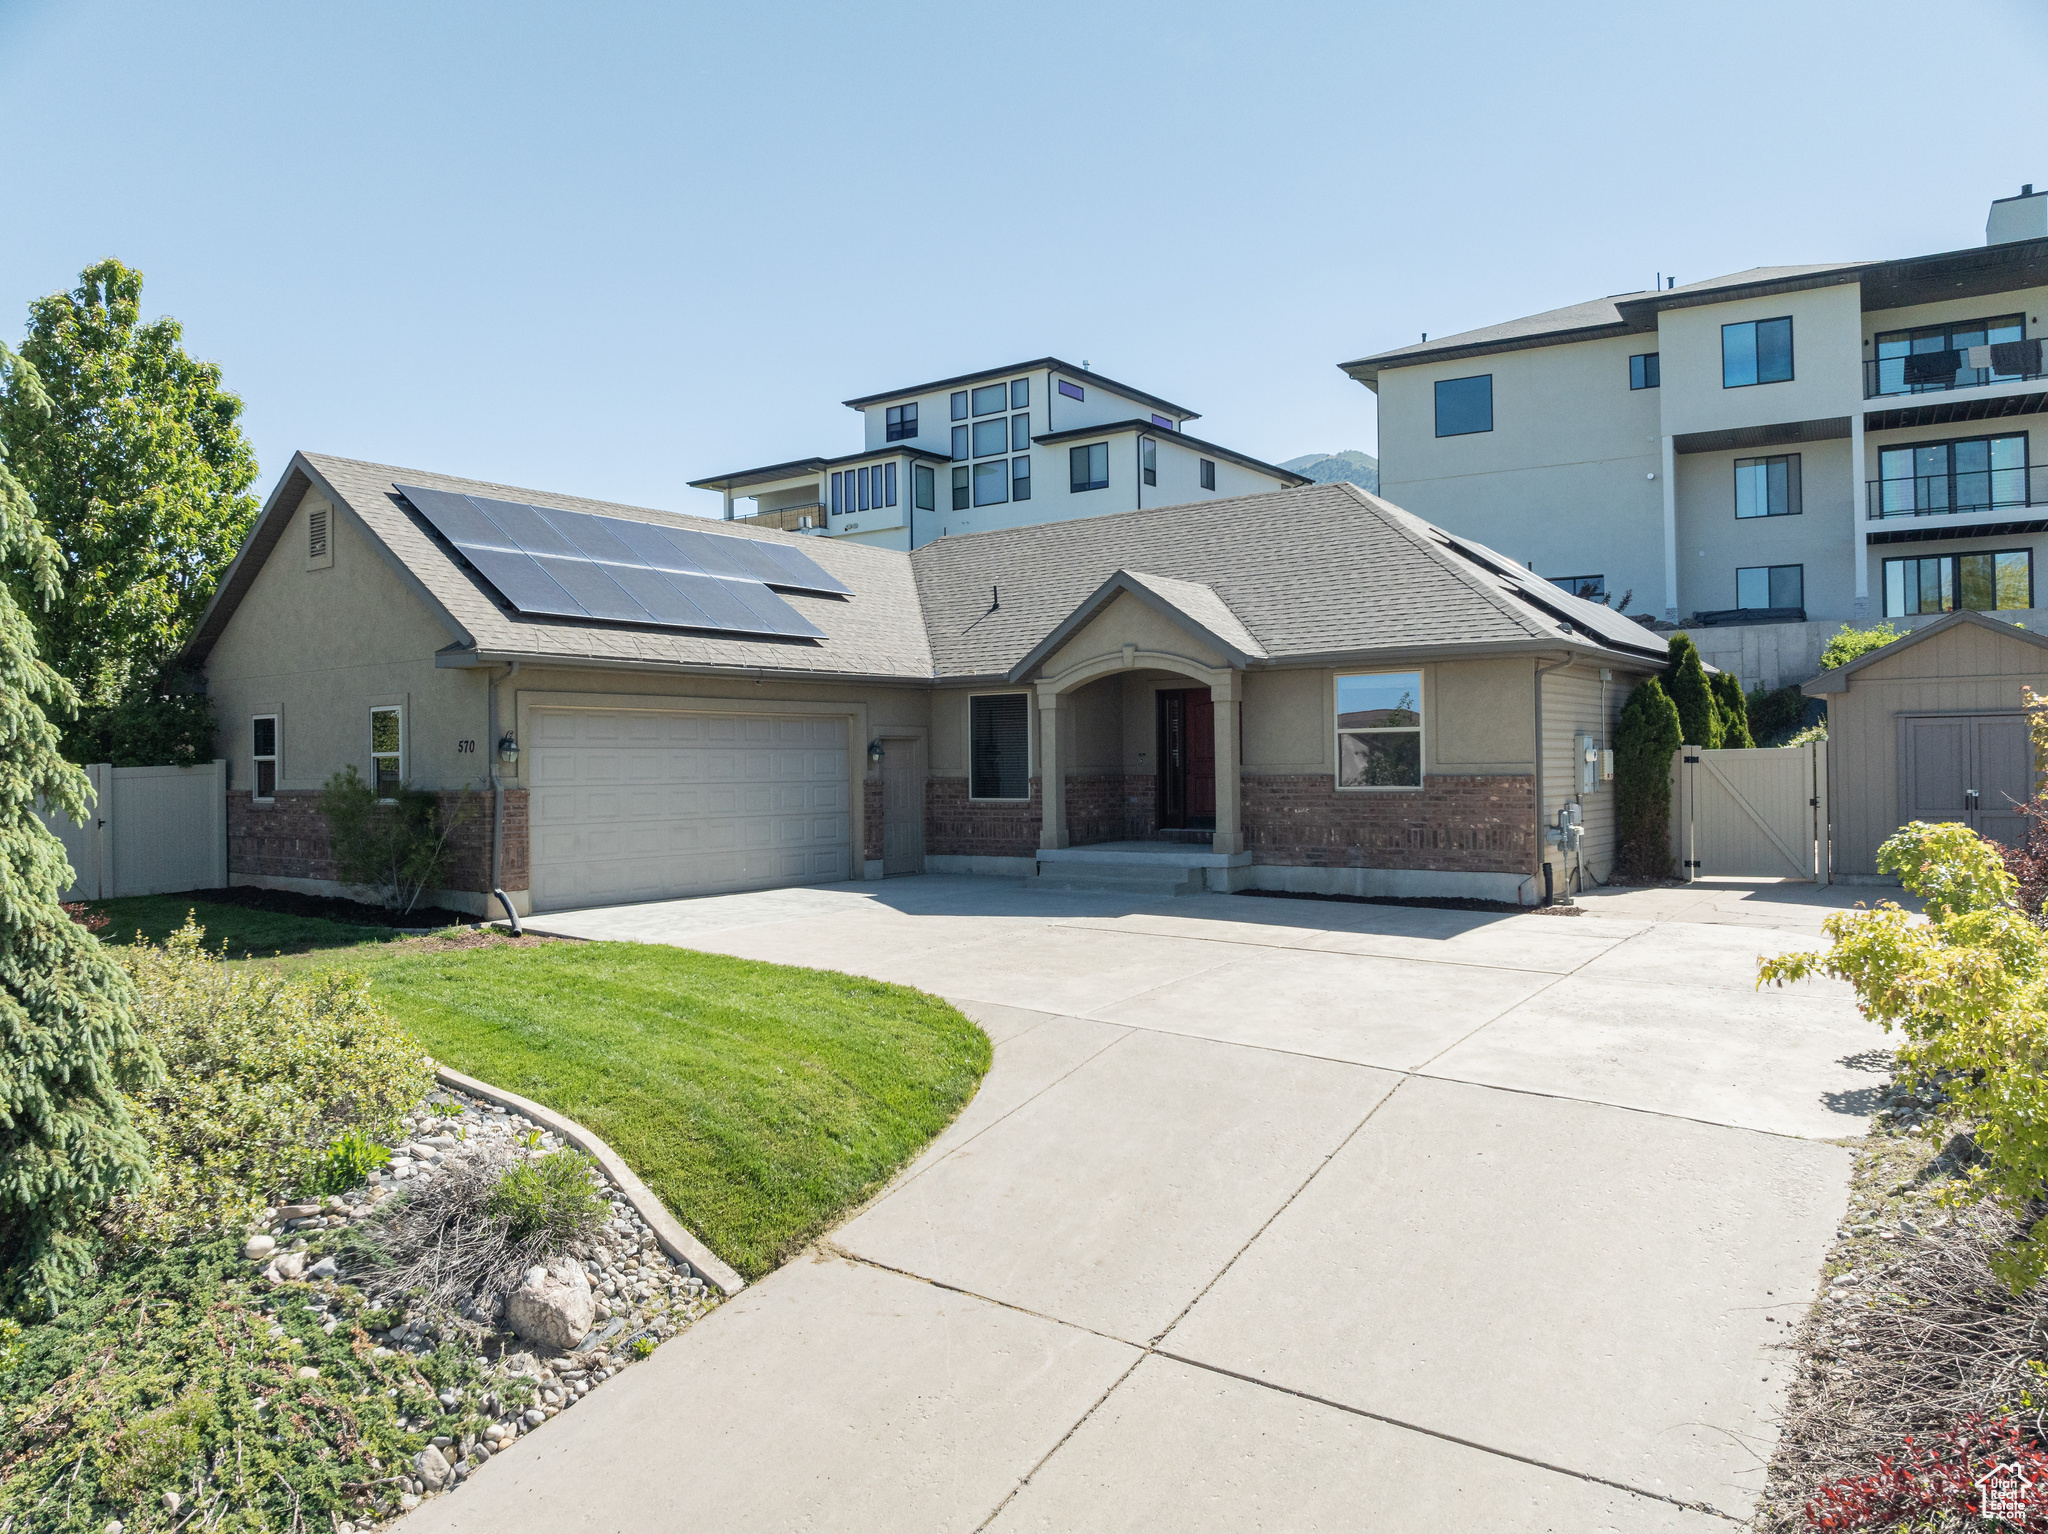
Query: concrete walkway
[{"x": 1272, "y": 1214}]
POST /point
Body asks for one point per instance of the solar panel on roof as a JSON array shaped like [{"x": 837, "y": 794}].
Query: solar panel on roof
[{"x": 551, "y": 562}]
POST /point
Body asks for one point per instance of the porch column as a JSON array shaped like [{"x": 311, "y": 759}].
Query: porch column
[
  {"x": 1225, "y": 694},
  {"x": 1859, "y": 499},
  {"x": 728, "y": 504},
  {"x": 1052, "y": 775}
]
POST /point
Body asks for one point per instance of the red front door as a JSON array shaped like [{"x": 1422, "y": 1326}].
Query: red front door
[
  {"x": 1201, "y": 736},
  {"x": 1187, "y": 758}
]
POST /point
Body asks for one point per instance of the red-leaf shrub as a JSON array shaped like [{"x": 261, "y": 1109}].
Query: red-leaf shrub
[{"x": 1937, "y": 1477}]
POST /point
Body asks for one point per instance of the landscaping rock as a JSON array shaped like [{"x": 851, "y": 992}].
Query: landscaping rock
[
  {"x": 553, "y": 1306},
  {"x": 258, "y": 1247},
  {"x": 289, "y": 1267},
  {"x": 324, "y": 1268},
  {"x": 297, "y": 1211},
  {"x": 431, "y": 1467}
]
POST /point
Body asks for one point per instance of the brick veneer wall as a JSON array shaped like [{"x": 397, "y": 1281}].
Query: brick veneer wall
[
  {"x": 287, "y": 839},
  {"x": 957, "y": 826},
  {"x": 1455, "y": 824},
  {"x": 871, "y": 802}
]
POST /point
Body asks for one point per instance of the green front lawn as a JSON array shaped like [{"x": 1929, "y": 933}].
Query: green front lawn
[
  {"x": 247, "y": 933},
  {"x": 759, "y": 1102}
]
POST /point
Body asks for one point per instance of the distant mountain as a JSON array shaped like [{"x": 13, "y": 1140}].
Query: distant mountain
[{"x": 1361, "y": 469}]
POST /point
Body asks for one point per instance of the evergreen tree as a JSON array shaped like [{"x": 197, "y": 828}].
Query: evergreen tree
[
  {"x": 1686, "y": 685},
  {"x": 1733, "y": 708},
  {"x": 140, "y": 473},
  {"x": 68, "y": 1042},
  {"x": 1644, "y": 740}
]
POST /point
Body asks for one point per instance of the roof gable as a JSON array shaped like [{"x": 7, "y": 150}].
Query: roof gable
[
  {"x": 1191, "y": 605},
  {"x": 2025, "y": 647}
]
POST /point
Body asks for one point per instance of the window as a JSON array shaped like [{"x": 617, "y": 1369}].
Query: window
[
  {"x": 1148, "y": 460},
  {"x": 1020, "y": 393},
  {"x": 1165, "y": 422},
  {"x": 888, "y": 473},
  {"x": 1993, "y": 582},
  {"x": 387, "y": 751},
  {"x": 991, "y": 437},
  {"x": 1756, "y": 352},
  {"x": 960, "y": 490},
  {"x": 863, "y": 475},
  {"x": 999, "y": 747},
  {"x": 991, "y": 483},
  {"x": 1020, "y": 479},
  {"x": 1020, "y": 433},
  {"x": 1088, "y": 467},
  {"x": 1762, "y": 586},
  {"x": 922, "y": 488},
  {"x": 263, "y": 749},
  {"x": 991, "y": 397},
  {"x": 902, "y": 422},
  {"x": 1939, "y": 356},
  {"x": 1592, "y": 587},
  {"x": 1208, "y": 474},
  {"x": 838, "y": 506},
  {"x": 1464, "y": 405},
  {"x": 1767, "y": 487},
  {"x": 1642, "y": 371},
  {"x": 959, "y": 442},
  {"x": 960, "y": 405},
  {"x": 1970, "y": 474},
  {"x": 1379, "y": 730},
  {"x": 1072, "y": 390}
]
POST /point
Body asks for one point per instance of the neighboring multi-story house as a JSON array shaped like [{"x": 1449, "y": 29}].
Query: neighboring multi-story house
[
  {"x": 1777, "y": 451},
  {"x": 1039, "y": 441}
]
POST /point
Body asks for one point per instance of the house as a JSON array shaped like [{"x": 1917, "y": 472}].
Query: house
[
  {"x": 1038, "y": 441},
  {"x": 1932, "y": 727},
  {"x": 1303, "y": 689},
  {"x": 1772, "y": 452}
]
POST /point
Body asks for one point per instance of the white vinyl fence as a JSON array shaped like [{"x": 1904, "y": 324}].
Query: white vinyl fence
[{"x": 151, "y": 831}]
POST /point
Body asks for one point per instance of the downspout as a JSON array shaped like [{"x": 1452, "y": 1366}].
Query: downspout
[
  {"x": 498, "y": 800},
  {"x": 1542, "y": 863}
]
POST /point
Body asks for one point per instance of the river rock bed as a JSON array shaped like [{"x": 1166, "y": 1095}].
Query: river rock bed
[{"x": 639, "y": 1295}]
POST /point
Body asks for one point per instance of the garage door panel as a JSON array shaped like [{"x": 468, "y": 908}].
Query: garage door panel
[{"x": 639, "y": 804}]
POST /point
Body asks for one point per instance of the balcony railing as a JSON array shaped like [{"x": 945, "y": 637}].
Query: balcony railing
[
  {"x": 792, "y": 519},
  {"x": 1964, "y": 367},
  {"x": 1954, "y": 495}
]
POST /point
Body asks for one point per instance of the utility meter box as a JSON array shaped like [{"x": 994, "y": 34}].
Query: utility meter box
[
  {"x": 1586, "y": 753},
  {"x": 1606, "y": 766}
]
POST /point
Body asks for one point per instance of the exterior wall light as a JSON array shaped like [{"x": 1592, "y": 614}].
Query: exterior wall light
[
  {"x": 508, "y": 750},
  {"x": 875, "y": 752}
]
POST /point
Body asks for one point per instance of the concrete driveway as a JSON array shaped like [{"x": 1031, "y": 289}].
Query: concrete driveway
[{"x": 1272, "y": 1214}]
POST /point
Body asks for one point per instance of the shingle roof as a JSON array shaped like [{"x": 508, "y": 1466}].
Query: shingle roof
[
  {"x": 1318, "y": 570},
  {"x": 876, "y": 632},
  {"x": 1617, "y": 314}
]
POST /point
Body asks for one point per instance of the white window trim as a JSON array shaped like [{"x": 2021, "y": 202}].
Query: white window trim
[
  {"x": 370, "y": 720},
  {"x": 1420, "y": 731},
  {"x": 276, "y": 757},
  {"x": 1030, "y": 748}
]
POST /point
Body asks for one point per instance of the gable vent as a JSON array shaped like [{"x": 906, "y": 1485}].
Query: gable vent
[{"x": 319, "y": 550}]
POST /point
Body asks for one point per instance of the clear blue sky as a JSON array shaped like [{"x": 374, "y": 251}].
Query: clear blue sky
[{"x": 609, "y": 248}]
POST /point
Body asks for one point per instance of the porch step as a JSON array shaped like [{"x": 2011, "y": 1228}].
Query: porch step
[{"x": 1148, "y": 878}]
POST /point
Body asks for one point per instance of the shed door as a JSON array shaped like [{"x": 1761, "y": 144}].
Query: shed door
[
  {"x": 641, "y": 804},
  {"x": 1970, "y": 768}
]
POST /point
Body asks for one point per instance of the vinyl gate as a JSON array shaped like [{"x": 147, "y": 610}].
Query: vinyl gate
[
  {"x": 1760, "y": 813},
  {"x": 151, "y": 831}
]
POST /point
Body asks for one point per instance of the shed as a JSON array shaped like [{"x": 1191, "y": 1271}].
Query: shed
[{"x": 1931, "y": 727}]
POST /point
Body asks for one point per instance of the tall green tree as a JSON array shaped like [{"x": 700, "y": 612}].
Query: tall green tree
[
  {"x": 1686, "y": 684},
  {"x": 1645, "y": 737},
  {"x": 140, "y": 473},
  {"x": 1733, "y": 708},
  {"x": 68, "y": 1041}
]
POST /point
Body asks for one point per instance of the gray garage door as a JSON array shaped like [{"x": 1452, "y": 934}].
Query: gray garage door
[{"x": 638, "y": 804}]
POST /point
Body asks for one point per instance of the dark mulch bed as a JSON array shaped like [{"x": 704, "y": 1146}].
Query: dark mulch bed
[
  {"x": 1428, "y": 902},
  {"x": 333, "y": 908}
]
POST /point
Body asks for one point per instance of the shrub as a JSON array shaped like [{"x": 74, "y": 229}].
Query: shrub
[
  {"x": 1968, "y": 988},
  {"x": 1644, "y": 740},
  {"x": 549, "y": 1197},
  {"x": 1775, "y": 714},
  {"x": 155, "y": 1446},
  {"x": 395, "y": 849},
  {"x": 1848, "y": 644},
  {"x": 68, "y": 1043},
  {"x": 1930, "y": 1479},
  {"x": 1686, "y": 682},
  {"x": 348, "y": 1162},
  {"x": 2027, "y": 861},
  {"x": 265, "y": 1074},
  {"x": 1733, "y": 712}
]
